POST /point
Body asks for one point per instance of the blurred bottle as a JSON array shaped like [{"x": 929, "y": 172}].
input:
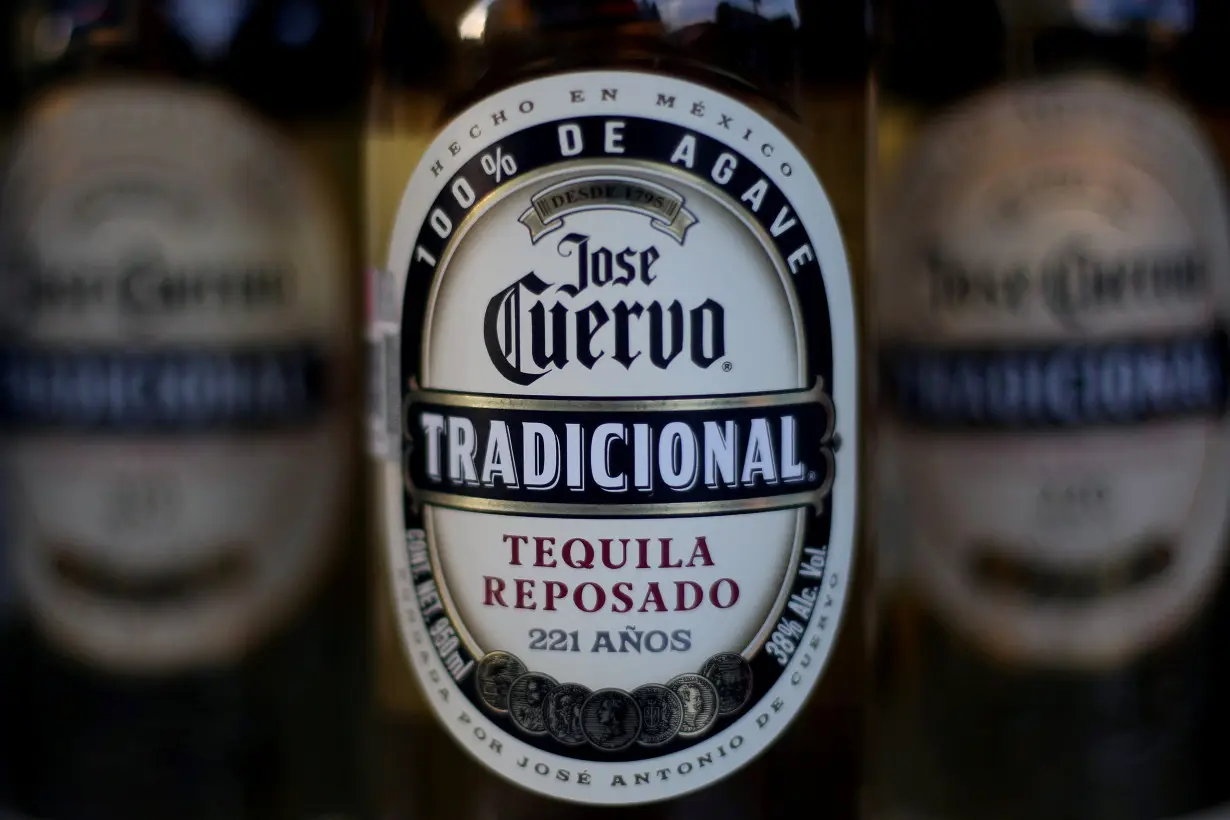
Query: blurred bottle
[
  {"x": 737, "y": 138},
  {"x": 8, "y": 591},
  {"x": 1052, "y": 277},
  {"x": 178, "y": 392}
]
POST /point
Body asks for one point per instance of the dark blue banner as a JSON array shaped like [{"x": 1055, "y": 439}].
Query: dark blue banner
[
  {"x": 193, "y": 390},
  {"x": 1060, "y": 386}
]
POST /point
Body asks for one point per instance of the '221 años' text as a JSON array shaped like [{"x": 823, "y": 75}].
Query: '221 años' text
[{"x": 626, "y": 640}]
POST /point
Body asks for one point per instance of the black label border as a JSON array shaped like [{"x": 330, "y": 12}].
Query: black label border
[{"x": 651, "y": 141}]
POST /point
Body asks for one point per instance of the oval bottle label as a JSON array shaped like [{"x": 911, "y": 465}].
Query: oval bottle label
[
  {"x": 174, "y": 330},
  {"x": 622, "y": 514},
  {"x": 1053, "y": 286}
]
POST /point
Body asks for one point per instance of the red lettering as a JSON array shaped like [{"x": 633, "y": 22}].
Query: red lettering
[
  {"x": 654, "y": 595},
  {"x": 611, "y": 554},
  {"x": 587, "y": 562},
  {"x": 665, "y": 543},
  {"x": 643, "y": 544},
  {"x": 525, "y": 593},
  {"x": 620, "y": 591},
  {"x": 607, "y": 560},
  {"x": 495, "y": 591},
  {"x": 556, "y": 591},
  {"x": 516, "y": 541},
  {"x": 701, "y": 551},
  {"x": 578, "y": 597},
  {"x": 542, "y": 551},
  {"x": 681, "y": 588},
  {"x": 715, "y": 592}
]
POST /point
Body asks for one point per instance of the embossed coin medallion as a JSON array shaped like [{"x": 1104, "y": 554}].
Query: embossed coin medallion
[
  {"x": 700, "y": 703},
  {"x": 527, "y": 698},
  {"x": 661, "y": 714},
  {"x": 565, "y": 721},
  {"x": 618, "y": 405},
  {"x": 731, "y": 676},
  {"x": 611, "y": 719},
  {"x": 495, "y": 676}
]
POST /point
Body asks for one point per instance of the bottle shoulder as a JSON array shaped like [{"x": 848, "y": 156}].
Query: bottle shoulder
[
  {"x": 768, "y": 50},
  {"x": 290, "y": 59}
]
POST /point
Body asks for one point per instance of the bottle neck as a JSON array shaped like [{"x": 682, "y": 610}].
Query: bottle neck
[
  {"x": 1163, "y": 19},
  {"x": 1128, "y": 37},
  {"x": 933, "y": 56},
  {"x": 310, "y": 65}
]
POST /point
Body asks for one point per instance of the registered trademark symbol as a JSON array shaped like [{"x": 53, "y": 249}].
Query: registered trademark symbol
[
  {"x": 727, "y": 367},
  {"x": 811, "y": 475}
]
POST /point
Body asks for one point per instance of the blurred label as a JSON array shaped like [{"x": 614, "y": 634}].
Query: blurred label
[
  {"x": 1053, "y": 286},
  {"x": 173, "y": 323},
  {"x": 172, "y": 391},
  {"x": 1175, "y": 15}
]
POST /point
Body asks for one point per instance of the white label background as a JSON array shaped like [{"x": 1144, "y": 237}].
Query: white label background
[
  {"x": 763, "y": 338},
  {"x": 468, "y": 368}
]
